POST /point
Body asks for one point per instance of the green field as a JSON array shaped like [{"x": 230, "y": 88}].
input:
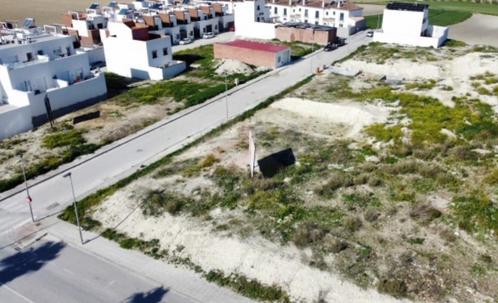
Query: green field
[
  {"x": 482, "y": 8},
  {"x": 436, "y": 17}
]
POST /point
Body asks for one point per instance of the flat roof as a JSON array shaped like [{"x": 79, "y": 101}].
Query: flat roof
[
  {"x": 400, "y": 6},
  {"x": 265, "y": 47},
  {"x": 306, "y": 25}
]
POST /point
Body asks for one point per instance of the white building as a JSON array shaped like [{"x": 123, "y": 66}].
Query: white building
[
  {"x": 131, "y": 51},
  {"x": 346, "y": 16},
  {"x": 408, "y": 24},
  {"x": 42, "y": 74},
  {"x": 252, "y": 20}
]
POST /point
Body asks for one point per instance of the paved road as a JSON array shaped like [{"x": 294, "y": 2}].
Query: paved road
[
  {"x": 53, "y": 271},
  {"x": 128, "y": 155},
  {"x": 479, "y": 29}
]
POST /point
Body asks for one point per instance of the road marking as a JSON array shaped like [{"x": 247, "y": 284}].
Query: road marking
[{"x": 17, "y": 293}]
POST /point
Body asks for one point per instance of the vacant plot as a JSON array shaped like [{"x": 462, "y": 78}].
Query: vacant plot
[
  {"x": 132, "y": 106},
  {"x": 480, "y": 29},
  {"x": 403, "y": 206}
]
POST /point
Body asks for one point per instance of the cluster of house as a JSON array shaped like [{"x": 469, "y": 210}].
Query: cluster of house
[{"x": 50, "y": 71}]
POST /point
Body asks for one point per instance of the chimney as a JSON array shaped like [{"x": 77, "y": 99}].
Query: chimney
[
  {"x": 290, "y": 2},
  {"x": 323, "y": 3},
  {"x": 304, "y": 2}
]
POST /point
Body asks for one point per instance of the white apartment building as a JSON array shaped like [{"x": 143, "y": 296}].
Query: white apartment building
[
  {"x": 252, "y": 20},
  {"x": 408, "y": 24},
  {"x": 132, "y": 51},
  {"x": 42, "y": 75},
  {"x": 346, "y": 16}
]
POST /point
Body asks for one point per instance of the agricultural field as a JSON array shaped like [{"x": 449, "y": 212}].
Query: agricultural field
[
  {"x": 131, "y": 107},
  {"x": 439, "y": 17},
  {"x": 393, "y": 196},
  {"x": 480, "y": 7}
]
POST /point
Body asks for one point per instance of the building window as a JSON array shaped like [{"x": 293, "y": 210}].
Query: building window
[
  {"x": 100, "y": 25},
  {"x": 257, "y": 8},
  {"x": 154, "y": 54},
  {"x": 191, "y": 33},
  {"x": 341, "y": 17},
  {"x": 275, "y": 10},
  {"x": 165, "y": 51},
  {"x": 40, "y": 52},
  {"x": 317, "y": 14},
  {"x": 306, "y": 12},
  {"x": 285, "y": 12},
  {"x": 29, "y": 56},
  {"x": 279, "y": 60},
  {"x": 326, "y": 13}
]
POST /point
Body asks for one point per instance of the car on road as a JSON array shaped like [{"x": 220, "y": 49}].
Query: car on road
[
  {"x": 330, "y": 47},
  {"x": 370, "y": 34},
  {"x": 186, "y": 41},
  {"x": 208, "y": 36}
]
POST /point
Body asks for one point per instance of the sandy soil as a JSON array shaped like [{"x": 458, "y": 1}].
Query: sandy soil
[
  {"x": 253, "y": 256},
  {"x": 479, "y": 29},
  {"x": 452, "y": 71},
  {"x": 44, "y": 11}
]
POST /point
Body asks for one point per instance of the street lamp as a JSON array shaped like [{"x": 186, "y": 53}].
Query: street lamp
[
  {"x": 28, "y": 197},
  {"x": 69, "y": 175},
  {"x": 226, "y": 97}
]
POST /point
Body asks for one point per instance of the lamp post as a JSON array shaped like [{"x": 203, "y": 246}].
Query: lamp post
[
  {"x": 226, "y": 97},
  {"x": 28, "y": 197},
  {"x": 69, "y": 175}
]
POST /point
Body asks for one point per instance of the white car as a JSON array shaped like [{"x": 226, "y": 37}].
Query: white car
[
  {"x": 208, "y": 36},
  {"x": 185, "y": 41},
  {"x": 370, "y": 34}
]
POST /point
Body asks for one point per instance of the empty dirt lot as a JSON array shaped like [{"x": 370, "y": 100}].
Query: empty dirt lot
[
  {"x": 479, "y": 29},
  {"x": 44, "y": 11}
]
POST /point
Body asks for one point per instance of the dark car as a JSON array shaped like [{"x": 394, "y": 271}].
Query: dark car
[{"x": 330, "y": 47}]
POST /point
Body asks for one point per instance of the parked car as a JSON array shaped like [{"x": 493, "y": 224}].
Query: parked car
[
  {"x": 208, "y": 36},
  {"x": 341, "y": 42},
  {"x": 186, "y": 41},
  {"x": 370, "y": 34},
  {"x": 330, "y": 47}
]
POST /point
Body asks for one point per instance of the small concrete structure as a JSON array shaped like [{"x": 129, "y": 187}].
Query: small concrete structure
[
  {"x": 254, "y": 53},
  {"x": 306, "y": 33},
  {"x": 408, "y": 24}
]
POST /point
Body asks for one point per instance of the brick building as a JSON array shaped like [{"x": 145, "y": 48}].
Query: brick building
[
  {"x": 254, "y": 53},
  {"x": 306, "y": 33}
]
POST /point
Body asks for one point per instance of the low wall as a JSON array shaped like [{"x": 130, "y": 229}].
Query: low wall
[
  {"x": 411, "y": 41},
  {"x": 69, "y": 99},
  {"x": 14, "y": 120},
  {"x": 249, "y": 56},
  {"x": 305, "y": 35}
]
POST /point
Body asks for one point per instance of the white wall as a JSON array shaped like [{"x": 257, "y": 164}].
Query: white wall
[
  {"x": 407, "y": 23},
  {"x": 14, "y": 121},
  {"x": 247, "y": 27},
  {"x": 51, "y": 46}
]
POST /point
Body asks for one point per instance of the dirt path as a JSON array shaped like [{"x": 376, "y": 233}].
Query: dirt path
[{"x": 479, "y": 29}]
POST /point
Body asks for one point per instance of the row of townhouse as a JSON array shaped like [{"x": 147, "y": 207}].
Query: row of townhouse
[
  {"x": 42, "y": 75},
  {"x": 346, "y": 16},
  {"x": 179, "y": 21}
]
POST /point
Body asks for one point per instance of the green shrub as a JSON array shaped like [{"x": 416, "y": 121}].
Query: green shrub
[
  {"x": 492, "y": 177},
  {"x": 157, "y": 202},
  {"x": 475, "y": 213},
  {"x": 335, "y": 182},
  {"x": 394, "y": 287},
  {"x": 385, "y": 133},
  {"x": 65, "y": 137}
]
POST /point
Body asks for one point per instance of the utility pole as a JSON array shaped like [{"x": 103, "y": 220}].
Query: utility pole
[
  {"x": 69, "y": 175},
  {"x": 226, "y": 97},
  {"x": 28, "y": 197}
]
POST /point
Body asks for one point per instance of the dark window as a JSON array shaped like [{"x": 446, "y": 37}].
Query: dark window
[
  {"x": 275, "y": 10},
  {"x": 257, "y": 8},
  {"x": 306, "y": 13},
  {"x": 100, "y": 25},
  {"x": 29, "y": 56},
  {"x": 317, "y": 14},
  {"x": 285, "y": 12},
  {"x": 341, "y": 17},
  {"x": 40, "y": 52},
  {"x": 154, "y": 54},
  {"x": 165, "y": 51}
]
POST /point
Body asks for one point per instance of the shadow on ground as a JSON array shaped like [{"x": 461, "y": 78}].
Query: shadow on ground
[
  {"x": 25, "y": 262},
  {"x": 152, "y": 296}
]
